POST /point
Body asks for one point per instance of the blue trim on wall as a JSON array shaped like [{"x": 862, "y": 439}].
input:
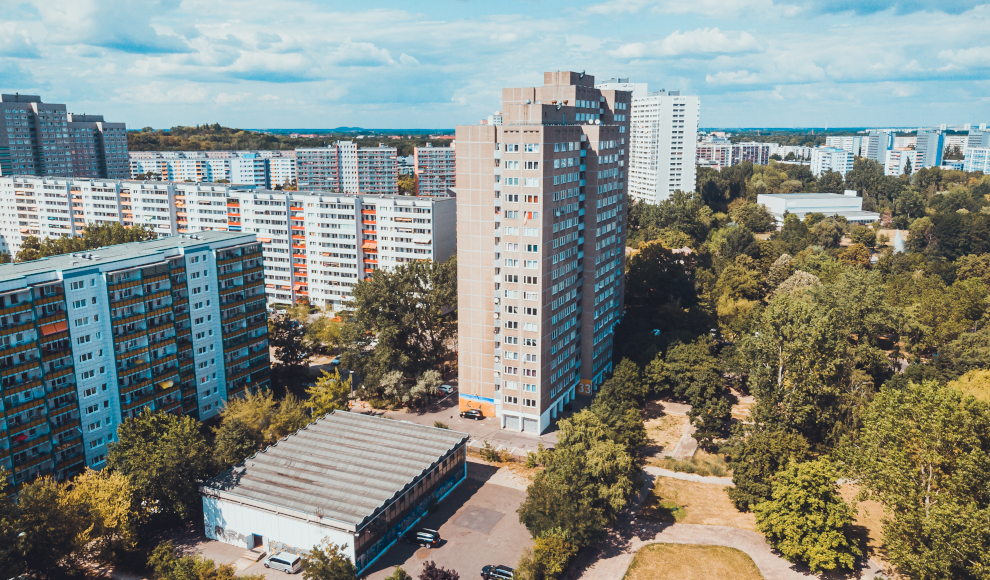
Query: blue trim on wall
[{"x": 476, "y": 398}]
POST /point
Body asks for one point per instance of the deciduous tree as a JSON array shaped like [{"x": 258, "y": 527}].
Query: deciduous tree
[
  {"x": 327, "y": 561},
  {"x": 329, "y": 394}
]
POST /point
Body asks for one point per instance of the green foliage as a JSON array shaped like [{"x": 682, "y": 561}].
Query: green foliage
[
  {"x": 407, "y": 311},
  {"x": 552, "y": 552},
  {"x": 164, "y": 457},
  {"x": 166, "y": 564},
  {"x": 329, "y": 394},
  {"x": 94, "y": 236},
  {"x": 408, "y": 185},
  {"x": 924, "y": 452},
  {"x": 398, "y": 574},
  {"x": 755, "y": 459},
  {"x": 807, "y": 520},
  {"x": 327, "y": 561},
  {"x": 286, "y": 336},
  {"x": 491, "y": 454},
  {"x": 589, "y": 478},
  {"x": 441, "y": 425},
  {"x": 255, "y": 421},
  {"x": 55, "y": 527}
]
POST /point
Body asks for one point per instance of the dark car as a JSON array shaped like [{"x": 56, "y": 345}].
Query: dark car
[
  {"x": 473, "y": 414},
  {"x": 424, "y": 537},
  {"x": 496, "y": 573}
]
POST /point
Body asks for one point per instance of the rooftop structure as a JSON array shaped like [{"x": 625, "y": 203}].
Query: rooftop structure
[
  {"x": 848, "y": 205},
  {"x": 358, "y": 480}
]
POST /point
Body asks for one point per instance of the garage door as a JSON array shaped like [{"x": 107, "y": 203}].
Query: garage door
[
  {"x": 531, "y": 426},
  {"x": 512, "y": 422}
]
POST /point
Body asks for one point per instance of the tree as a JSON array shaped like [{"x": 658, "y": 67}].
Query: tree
[
  {"x": 827, "y": 233},
  {"x": 166, "y": 564},
  {"x": 329, "y": 394},
  {"x": 30, "y": 250},
  {"x": 807, "y": 520},
  {"x": 164, "y": 457},
  {"x": 327, "y": 561},
  {"x": 399, "y": 574},
  {"x": 407, "y": 185},
  {"x": 55, "y": 527},
  {"x": 856, "y": 255},
  {"x": 260, "y": 417},
  {"x": 286, "y": 337},
  {"x": 234, "y": 442},
  {"x": 830, "y": 182},
  {"x": 625, "y": 384},
  {"x": 547, "y": 560},
  {"x": 754, "y": 217},
  {"x": 922, "y": 453},
  {"x": 328, "y": 331},
  {"x": 755, "y": 459},
  {"x": 11, "y": 548},
  {"x": 589, "y": 478},
  {"x": 114, "y": 512},
  {"x": 407, "y": 310},
  {"x": 433, "y": 572}
]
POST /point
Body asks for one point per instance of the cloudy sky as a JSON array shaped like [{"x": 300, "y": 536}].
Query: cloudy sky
[{"x": 320, "y": 64}]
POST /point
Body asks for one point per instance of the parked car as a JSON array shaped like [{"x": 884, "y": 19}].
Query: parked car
[
  {"x": 422, "y": 536},
  {"x": 285, "y": 561},
  {"x": 473, "y": 414},
  {"x": 496, "y": 573},
  {"x": 446, "y": 389}
]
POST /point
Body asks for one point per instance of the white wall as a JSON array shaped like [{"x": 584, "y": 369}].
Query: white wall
[{"x": 231, "y": 523}]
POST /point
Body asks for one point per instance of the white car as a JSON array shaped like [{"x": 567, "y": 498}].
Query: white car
[
  {"x": 446, "y": 389},
  {"x": 285, "y": 561}
]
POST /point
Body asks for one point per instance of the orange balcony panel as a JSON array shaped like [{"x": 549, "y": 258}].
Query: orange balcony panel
[
  {"x": 369, "y": 232},
  {"x": 368, "y": 212},
  {"x": 229, "y": 213},
  {"x": 368, "y": 271},
  {"x": 232, "y": 203},
  {"x": 370, "y": 261},
  {"x": 369, "y": 222},
  {"x": 295, "y": 237},
  {"x": 303, "y": 228}
]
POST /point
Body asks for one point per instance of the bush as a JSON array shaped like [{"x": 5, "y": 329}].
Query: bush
[
  {"x": 490, "y": 454},
  {"x": 531, "y": 460},
  {"x": 166, "y": 564},
  {"x": 548, "y": 559},
  {"x": 441, "y": 425}
]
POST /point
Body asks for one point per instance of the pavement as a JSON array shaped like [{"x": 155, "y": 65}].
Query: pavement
[
  {"x": 710, "y": 479},
  {"x": 611, "y": 559},
  {"x": 477, "y": 522}
]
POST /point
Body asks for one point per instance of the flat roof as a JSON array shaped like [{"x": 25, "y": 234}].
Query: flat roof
[
  {"x": 806, "y": 195},
  {"x": 119, "y": 252},
  {"x": 344, "y": 467}
]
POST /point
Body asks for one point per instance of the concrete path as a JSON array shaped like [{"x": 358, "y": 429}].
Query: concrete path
[
  {"x": 661, "y": 472},
  {"x": 611, "y": 559},
  {"x": 686, "y": 446}
]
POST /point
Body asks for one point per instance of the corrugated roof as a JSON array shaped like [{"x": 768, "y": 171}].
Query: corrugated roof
[{"x": 344, "y": 466}]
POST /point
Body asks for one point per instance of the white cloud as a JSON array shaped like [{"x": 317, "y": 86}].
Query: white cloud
[
  {"x": 224, "y": 99},
  {"x": 408, "y": 60},
  {"x": 699, "y": 41},
  {"x": 505, "y": 37},
  {"x": 16, "y": 43},
  {"x": 739, "y": 77},
  {"x": 159, "y": 92},
  {"x": 977, "y": 56}
]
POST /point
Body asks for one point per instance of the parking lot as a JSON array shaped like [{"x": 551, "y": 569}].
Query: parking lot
[
  {"x": 478, "y": 525},
  {"x": 477, "y": 522}
]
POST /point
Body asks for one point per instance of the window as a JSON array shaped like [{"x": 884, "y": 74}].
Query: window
[
  {"x": 197, "y": 306},
  {"x": 531, "y": 148},
  {"x": 532, "y": 198},
  {"x": 510, "y": 247},
  {"x": 78, "y": 285},
  {"x": 511, "y": 263},
  {"x": 511, "y": 400},
  {"x": 530, "y": 326},
  {"x": 85, "y": 357},
  {"x": 82, "y": 339},
  {"x": 513, "y": 278},
  {"x": 96, "y": 443},
  {"x": 511, "y": 355},
  {"x": 511, "y": 385},
  {"x": 510, "y": 164},
  {"x": 529, "y": 402},
  {"x": 532, "y": 264},
  {"x": 512, "y": 215},
  {"x": 530, "y": 357},
  {"x": 511, "y": 309},
  {"x": 82, "y": 321},
  {"x": 528, "y": 311},
  {"x": 529, "y": 342},
  {"x": 531, "y": 182},
  {"x": 79, "y": 303},
  {"x": 511, "y": 325},
  {"x": 529, "y": 387},
  {"x": 511, "y": 147},
  {"x": 531, "y": 231},
  {"x": 89, "y": 392},
  {"x": 511, "y": 340},
  {"x": 529, "y": 372},
  {"x": 92, "y": 409},
  {"x": 530, "y": 280},
  {"x": 198, "y": 320},
  {"x": 532, "y": 248},
  {"x": 531, "y": 165}
]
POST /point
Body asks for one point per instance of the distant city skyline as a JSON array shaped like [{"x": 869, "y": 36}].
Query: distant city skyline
[{"x": 754, "y": 63}]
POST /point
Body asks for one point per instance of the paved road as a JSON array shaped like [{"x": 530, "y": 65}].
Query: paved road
[{"x": 610, "y": 560}]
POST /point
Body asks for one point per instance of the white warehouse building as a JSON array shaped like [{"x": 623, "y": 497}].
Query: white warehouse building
[
  {"x": 847, "y": 205},
  {"x": 358, "y": 481}
]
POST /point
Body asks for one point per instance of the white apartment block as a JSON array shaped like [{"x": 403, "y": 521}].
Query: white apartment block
[
  {"x": 878, "y": 142},
  {"x": 853, "y": 143},
  {"x": 434, "y": 169},
  {"x": 831, "y": 159},
  {"x": 662, "y": 143},
  {"x": 896, "y": 161},
  {"x": 262, "y": 169},
  {"x": 978, "y": 137},
  {"x": 316, "y": 245},
  {"x": 346, "y": 168},
  {"x": 977, "y": 159},
  {"x": 799, "y": 151}
]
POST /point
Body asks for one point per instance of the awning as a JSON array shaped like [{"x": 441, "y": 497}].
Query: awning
[
  {"x": 265, "y": 240},
  {"x": 53, "y": 328},
  {"x": 25, "y": 230},
  {"x": 369, "y": 245},
  {"x": 299, "y": 286},
  {"x": 166, "y": 384}
]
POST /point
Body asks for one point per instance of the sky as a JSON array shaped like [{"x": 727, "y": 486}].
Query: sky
[{"x": 437, "y": 64}]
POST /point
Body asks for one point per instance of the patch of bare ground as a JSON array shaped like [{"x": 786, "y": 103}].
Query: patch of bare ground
[
  {"x": 690, "y": 562},
  {"x": 867, "y": 525},
  {"x": 688, "y": 502},
  {"x": 663, "y": 432}
]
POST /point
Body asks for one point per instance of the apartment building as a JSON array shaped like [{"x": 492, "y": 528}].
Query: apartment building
[
  {"x": 879, "y": 141},
  {"x": 977, "y": 138},
  {"x": 663, "y": 141},
  {"x": 541, "y": 237},
  {"x": 751, "y": 152},
  {"x": 434, "y": 169},
  {"x": 929, "y": 146},
  {"x": 852, "y": 143},
  {"x": 977, "y": 159},
  {"x": 831, "y": 159},
  {"x": 262, "y": 169},
  {"x": 899, "y": 161},
  {"x": 43, "y": 139},
  {"x": 88, "y": 340},
  {"x": 318, "y": 246},
  {"x": 346, "y": 168},
  {"x": 318, "y": 257},
  {"x": 714, "y": 155}
]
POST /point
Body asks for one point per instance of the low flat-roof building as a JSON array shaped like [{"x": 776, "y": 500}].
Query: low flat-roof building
[
  {"x": 359, "y": 481},
  {"x": 848, "y": 205}
]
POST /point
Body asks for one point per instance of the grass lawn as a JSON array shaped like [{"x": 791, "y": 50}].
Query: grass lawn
[
  {"x": 703, "y": 463},
  {"x": 687, "y": 502},
  {"x": 663, "y": 432},
  {"x": 867, "y": 525},
  {"x": 690, "y": 562}
]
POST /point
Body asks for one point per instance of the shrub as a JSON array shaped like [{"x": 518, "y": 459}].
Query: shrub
[
  {"x": 490, "y": 454},
  {"x": 441, "y": 425}
]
